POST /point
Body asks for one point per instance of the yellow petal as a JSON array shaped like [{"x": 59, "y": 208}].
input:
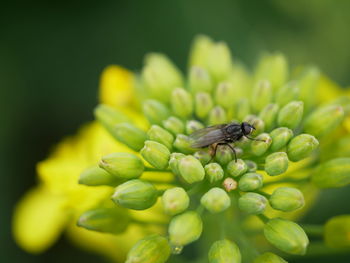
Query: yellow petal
[
  {"x": 39, "y": 219},
  {"x": 327, "y": 90}
]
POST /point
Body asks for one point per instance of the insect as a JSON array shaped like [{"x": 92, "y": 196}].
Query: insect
[{"x": 221, "y": 134}]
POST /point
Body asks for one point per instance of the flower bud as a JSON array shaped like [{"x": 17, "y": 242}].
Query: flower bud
[
  {"x": 250, "y": 182},
  {"x": 287, "y": 93},
  {"x": 308, "y": 83},
  {"x": 95, "y": 176},
  {"x": 286, "y": 199},
  {"x": 156, "y": 154},
  {"x": 224, "y": 154},
  {"x": 269, "y": 257},
  {"x": 324, "y": 120},
  {"x": 160, "y": 76},
  {"x": 286, "y": 236},
  {"x": 107, "y": 220},
  {"x": 199, "y": 80},
  {"x": 158, "y": 134},
  {"x": 242, "y": 109},
  {"x": 269, "y": 115},
  {"x": 225, "y": 95},
  {"x": 262, "y": 95},
  {"x": 214, "y": 172},
  {"x": 193, "y": 125},
  {"x": 191, "y": 170},
  {"x": 216, "y": 200},
  {"x": 203, "y": 104},
  {"x": 175, "y": 201},
  {"x": 252, "y": 166},
  {"x": 122, "y": 165},
  {"x": 219, "y": 61},
  {"x": 174, "y": 125},
  {"x": 276, "y": 163},
  {"x": 151, "y": 249},
  {"x": 183, "y": 144},
  {"x": 155, "y": 111},
  {"x": 258, "y": 124},
  {"x": 217, "y": 115},
  {"x": 109, "y": 117},
  {"x": 337, "y": 232},
  {"x": 135, "y": 194},
  {"x": 258, "y": 148},
  {"x": 130, "y": 135},
  {"x": 301, "y": 147},
  {"x": 203, "y": 156},
  {"x": 236, "y": 169},
  {"x": 174, "y": 162},
  {"x": 333, "y": 173},
  {"x": 181, "y": 103},
  {"x": 280, "y": 137},
  {"x": 185, "y": 228},
  {"x": 229, "y": 184},
  {"x": 291, "y": 114},
  {"x": 223, "y": 251},
  {"x": 252, "y": 203},
  {"x": 200, "y": 49}
]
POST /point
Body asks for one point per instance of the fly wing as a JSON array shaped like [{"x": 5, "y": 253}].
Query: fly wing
[{"x": 207, "y": 136}]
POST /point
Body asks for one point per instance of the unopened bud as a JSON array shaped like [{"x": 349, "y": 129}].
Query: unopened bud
[
  {"x": 109, "y": 117},
  {"x": 269, "y": 257},
  {"x": 219, "y": 61},
  {"x": 122, "y": 165},
  {"x": 276, "y": 163},
  {"x": 242, "y": 109},
  {"x": 225, "y": 95},
  {"x": 203, "y": 104},
  {"x": 181, "y": 103},
  {"x": 291, "y": 114},
  {"x": 223, "y": 251},
  {"x": 158, "y": 134},
  {"x": 155, "y": 111},
  {"x": 252, "y": 203},
  {"x": 287, "y": 93},
  {"x": 191, "y": 170},
  {"x": 156, "y": 154},
  {"x": 280, "y": 137},
  {"x": 193, "y": 125},
  {"x": 224, "y": 154},
  {"x": 130, "y": 135},
  {"x": 183, "y": 144},
  {"x": 216, "y": 200},
  {"x": 287, "y": 199},
  {"x": 337, "y": 232},
  {"x": 229, "y": 184},
  {"x": 236, "y": 169},
  {"x": 286, "y": 236},
  {"x": 308, "y": 82},
  {"x": 174, "y": 162},
  {"x": 250, "y": 182},
  {"x": 135, "y": 194},
  {"x": 262, "y": 95},
  {"x": 214, "y": 172},
  {"x": 252, "y": 166},
  {"x": 217, "y": 115},
  {"x": 301, "y": 147},
  {"x": 175, "y": 201},
  {"x": 200, "y": 50},
  {"x": 203, "y": 156},
  {"x": 174, "y": 125},
  {"x": 185, "y": 228},
  {"x": 199, "y": 80},
  {"x": 259, "y": 147},
  {"x": 95, "y": 176},
  {"x": 269, "y": 115}
]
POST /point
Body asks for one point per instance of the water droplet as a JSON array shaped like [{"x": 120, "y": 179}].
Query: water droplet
[{"x": 176, "y": 250}]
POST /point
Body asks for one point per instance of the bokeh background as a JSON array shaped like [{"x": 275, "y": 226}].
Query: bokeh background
[{"x": 52, "y": 52}]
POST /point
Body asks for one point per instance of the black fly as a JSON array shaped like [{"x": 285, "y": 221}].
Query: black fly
[{"x": 222, "y": 134}]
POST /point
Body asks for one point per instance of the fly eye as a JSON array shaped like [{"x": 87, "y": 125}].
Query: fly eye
[{"x": 247, "y": 129}]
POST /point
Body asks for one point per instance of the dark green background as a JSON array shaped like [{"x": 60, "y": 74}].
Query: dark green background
[{"x": 51, "y": 55}]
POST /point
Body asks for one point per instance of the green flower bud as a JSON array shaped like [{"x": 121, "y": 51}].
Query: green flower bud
[
  {"x": 109, "y": 117},
  {"x": 287, "y": 199},
  {"x": 156, "y": 154},
  {"x": 185, "y": 228},
  {"x": 250, "y": 182},
  {"x": 280, "y": 137},
  {"x": 217, "y": 115},
  {"x": 252, "y": 203},
  {"x": 183, "y": 144},
  {"x": 236, "y": 169},
  {"x": 160, "y": 76},
  {"x": 224, "y": 251},
  {"x": 203, "y": 156},
  {"x": 199, "y": 80},
  {"x": 200, "y": 50},
  {"x": 324, "y": 120},
  {"x": 308, "y": 83},
  {"x": 174, "y": 125},
  {"x": 191, "y": 170},
  {"x": 181, "y": 103},
  {"x": 193, "y": 125},
  {"x": 130, "y": 135},
  {"x": 174, "y": 162},
  {"x": 203, "y": 104},
  {"x": 155, "y": 111},
  {"x": 135, "y": 194},
  {"x": 286, "y": 236},
  {"x": 95, "y": 176},
  {"x": 258, "y": 148},
  {"x": 151, "y": 249},
  {"x": 333, "y": 173},
  {"x": 269, "y": 257},
  {"x": 252, "y": 166},
  {"x": 337, "y": 232},
  {"x": 258, "y": 124},
  {"x": 276, "y": 163},
  {"x": 216, "y": 200},
  {"x": 158, "y": 134},
  {"x": 291, "y": 114},
  {"x": 301, "y": 147},
  {"x": 225, "y": 95},
  {"x": 107, "y": 220},
  {"x": 122, "y": 165},
  {"x": 242, "y": 109},
  {"x": 229, "y": 184},
  {"x": 262, "y": 95},
  {"x": 214, "y": 172},
  {"x": 287, "y": 93},
  {"x": 219, "y": 61},
  {"x": 269, "y": 115},
  {"x": 224, "y": 155},
  {"x": 175, "y": 201}
]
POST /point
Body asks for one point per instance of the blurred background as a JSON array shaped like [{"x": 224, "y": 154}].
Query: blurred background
[{"x": 52, "y": 52}]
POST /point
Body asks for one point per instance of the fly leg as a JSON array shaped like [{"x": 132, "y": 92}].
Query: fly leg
[
  {"x": 233, "y": 150},
  {"x": 213, "y": 149}
]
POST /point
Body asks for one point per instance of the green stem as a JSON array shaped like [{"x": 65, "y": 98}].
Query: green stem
[
  {"x": 263, "y": 218},
  {"x": 313, "y": 230},
  {"x": 200, "y": 210},
  {"x": 263, "y": 193},
  {"x": 143, "y": 222},
  {"x": 287, "y": 180}
]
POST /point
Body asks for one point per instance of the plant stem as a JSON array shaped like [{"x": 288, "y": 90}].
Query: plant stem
[{"x": 313, "y": 230}]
